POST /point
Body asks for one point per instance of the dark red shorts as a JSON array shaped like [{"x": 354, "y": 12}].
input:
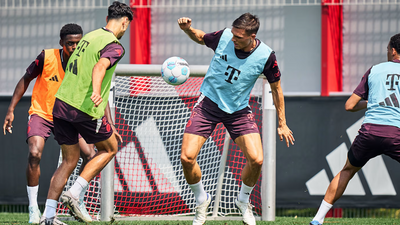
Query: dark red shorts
[
  {"x": 93, "y": 131},
  {"x": 37, "y": 126},
  {"x": 69, "y": 122},
  {"x": 206, "y": 115},
  {"x": 367, "y": 146}
]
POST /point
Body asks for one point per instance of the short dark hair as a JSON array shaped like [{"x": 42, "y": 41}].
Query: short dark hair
[
  {"x": 395, "y": 42},
  {"x": 118, "y": 10},
  {"x": 70, "y": 28},
  {"x": 250, "y": 23}
]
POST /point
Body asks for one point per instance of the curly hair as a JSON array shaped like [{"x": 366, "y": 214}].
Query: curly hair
[
  {"x": 70, "y": 28},
  {"x": 395, "y": 42},
  {"x": 118, "y": 10},
  {"x": 250, "y": 23}
]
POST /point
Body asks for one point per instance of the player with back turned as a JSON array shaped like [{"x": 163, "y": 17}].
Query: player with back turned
[
  {"x": 79, "y": 108},
  {"x": 378, "y": 91},
  {"x": 238, "y": 61}
]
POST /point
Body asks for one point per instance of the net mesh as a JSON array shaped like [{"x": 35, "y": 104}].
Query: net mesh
[{"x": 151, "y": 117}]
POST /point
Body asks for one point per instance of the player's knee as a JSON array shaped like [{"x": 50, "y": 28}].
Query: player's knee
[
  {"x": 34, "y": 156},
  {"x": 257, "y": 163},
  {"x": 187, "y": 161}
]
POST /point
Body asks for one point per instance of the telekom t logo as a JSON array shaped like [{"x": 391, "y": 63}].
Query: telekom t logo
[
  {"x": 231, "y": 75},
  {"x": 390, "y": 80},
  {"x": 375, "y": 172}
]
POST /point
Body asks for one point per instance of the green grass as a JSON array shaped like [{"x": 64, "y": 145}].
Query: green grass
[{"x": 22, "y": 218}]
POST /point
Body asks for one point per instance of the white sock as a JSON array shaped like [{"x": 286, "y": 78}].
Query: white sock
[
  {"x": 244, "y": 193},
  {"x": 82, "y": 194},
  {"x": 322, "y": 211},
  {"x": 199, "y": 193},
  {"x": 76, "y": 189},
  {"x": 51, "y": 207},
  {"x": 32, "y": 194}
]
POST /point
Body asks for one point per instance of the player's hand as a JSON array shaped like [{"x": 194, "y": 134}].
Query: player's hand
[
  {"x": 285, "y": 132},
  {"x": 184, "y": 23},
  {"x": 96, "y": 99},
  {"x": 117, "y": 135},
  {"x": 8, "y": 123}
]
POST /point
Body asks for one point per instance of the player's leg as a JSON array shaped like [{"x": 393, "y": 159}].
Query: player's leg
[
  {"x": 100, "y": 133},
  {"x": 70, "y": 157},
  {"x": 364, "y": 147},
  {"x": 36, "y": 145},
  {"x": 87, "y": 153},
  {"x": 67, "y": 137},
  {"x": 251, "y": 146},
  {"x": 244, "y": 131},
  {"x": 199, "y": 127},
  {"x": 335, "y": 190},
  {"x": 191, "y": 145},
  {"x": 38, "y": 131}
]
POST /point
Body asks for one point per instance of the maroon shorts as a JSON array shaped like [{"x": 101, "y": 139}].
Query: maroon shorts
[
  {"x": 367, "y": 146},
  {"x": 37, "y": 126},
  {"x": 206, "y": 115},
  {"x": 69, "y": 122}
]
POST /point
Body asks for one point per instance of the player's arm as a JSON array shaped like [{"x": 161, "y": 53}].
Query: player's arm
[
  {"x": 355, "y": 103},
  {"x": 357, "y": 100},
  {"x": 196, "y": 35},
  {"x": 98, "y": 73},
  {"x": 19, "y": 91},
  {"x": 279, "y": 102},
  {"x": 107, "y": 114}
]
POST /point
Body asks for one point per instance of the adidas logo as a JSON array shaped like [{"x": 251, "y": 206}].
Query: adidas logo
[
  {"x": 389, "y": 103},
  {"x": 54, "y": 78},
  {"x": 224, "y": 57},
  {"x": 375, "y": 172}
]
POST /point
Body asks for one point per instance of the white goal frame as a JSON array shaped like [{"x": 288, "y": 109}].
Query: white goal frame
[{"x": 268, "y": 185}]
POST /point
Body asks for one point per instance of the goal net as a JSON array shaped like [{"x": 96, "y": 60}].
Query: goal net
[{"x": 151, "y": 116}]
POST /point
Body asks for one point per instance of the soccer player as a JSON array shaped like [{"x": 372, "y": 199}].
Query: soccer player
[
  {"x": 238, "y": 61},
  {"x": 79, "y": 108},
  {"x": 378, "y": 91},
  {"x": 48, "y": 68}
]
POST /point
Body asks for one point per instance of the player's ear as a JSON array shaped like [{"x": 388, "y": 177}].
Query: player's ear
[
  {"x": 106, "y": 19},
  {"x": 61, "y": 43}
]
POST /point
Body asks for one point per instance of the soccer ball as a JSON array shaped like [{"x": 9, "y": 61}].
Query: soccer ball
[{"x": 175, "y": 70}]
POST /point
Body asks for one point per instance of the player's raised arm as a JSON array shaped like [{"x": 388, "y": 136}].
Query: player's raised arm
[
  {"x": 283, "y": 129},
  {"x": 196, "y": 35}
]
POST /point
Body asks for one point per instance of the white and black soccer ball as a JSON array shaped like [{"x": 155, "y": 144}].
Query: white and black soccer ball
[{"x": 175, "y": 70}]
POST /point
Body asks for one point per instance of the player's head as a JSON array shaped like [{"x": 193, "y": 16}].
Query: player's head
[
  {"x": 393, "y": 48},
  {"x": 70, "y": 35},
  {"x": 244, "y": 30},
  {"x": 122, "y": 15}
]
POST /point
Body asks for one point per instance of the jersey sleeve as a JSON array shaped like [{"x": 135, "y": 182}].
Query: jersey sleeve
[
  {"x": 271, "y": 69},
  {"x": 212, "y": 39},
  {"x": 362, "y": 89},
  {"x": 36, "y": 67},
  {"x": 113, "y": 52}
]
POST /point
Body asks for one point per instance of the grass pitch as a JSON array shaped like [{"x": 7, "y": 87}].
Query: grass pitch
[{"x": 22, "y": 218}]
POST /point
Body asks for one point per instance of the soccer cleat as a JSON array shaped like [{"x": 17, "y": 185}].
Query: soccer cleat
[
  {"x": 73, "y": 205},
  {"x": 34, "y": 214},
  {"x": 85, "y": 213},
  {"x": 314, "y": 222},
  {"x": 247, "y": 212},
  {"x": 201, "y": 211},
  {"x": 51, "y": 221}
]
